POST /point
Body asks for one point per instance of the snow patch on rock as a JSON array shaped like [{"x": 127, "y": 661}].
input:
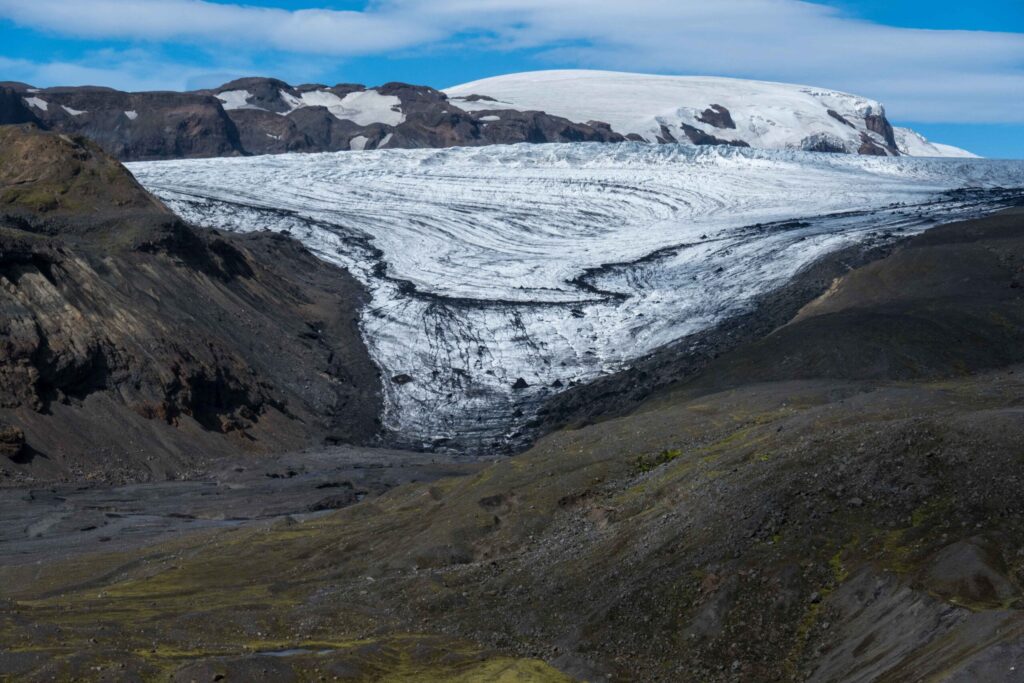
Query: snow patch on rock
[
  {"x": 236, "y": 99},
  {"x": 37, "y": 103},
  {"x": 363, "y": 107}
]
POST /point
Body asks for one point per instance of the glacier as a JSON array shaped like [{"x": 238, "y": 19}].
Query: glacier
[{"x": 499, "y": 275}]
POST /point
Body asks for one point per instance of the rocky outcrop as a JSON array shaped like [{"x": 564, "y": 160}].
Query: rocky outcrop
[
  {"x": 877, "y": 123},
  {"x": 840, "y": 118},
  {"x": 12, "y": 442},
  {"x": 699, "y": 137},
  {"x": 149, "y": 125},
  {"x": 718, "y": 116},
  {"x": 135, "y": 346},
  {"x": 869, "y": 147},
  {"x": 823, "y": 142}
]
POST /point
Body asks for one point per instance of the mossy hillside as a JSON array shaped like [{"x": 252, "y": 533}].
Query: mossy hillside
[
  {"x": 45, "y": 172},
  {"x": 712, "y": 552}
]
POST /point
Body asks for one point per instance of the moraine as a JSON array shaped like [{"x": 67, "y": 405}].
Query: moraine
[{"x": 498, "y": 267}]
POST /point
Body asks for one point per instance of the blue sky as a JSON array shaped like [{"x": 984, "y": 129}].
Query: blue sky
[{"x": 952, "y": 70}]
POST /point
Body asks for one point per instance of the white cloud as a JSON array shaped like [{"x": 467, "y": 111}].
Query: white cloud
[
  {"x": 921, "y": 74},
  {"x": 129, "y": 74}
]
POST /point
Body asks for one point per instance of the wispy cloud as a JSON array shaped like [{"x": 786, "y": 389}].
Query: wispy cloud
[{"x": 924, "y": 75}]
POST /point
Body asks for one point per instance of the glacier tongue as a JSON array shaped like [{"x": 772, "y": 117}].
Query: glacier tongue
[{"x": 553, "y": 264}]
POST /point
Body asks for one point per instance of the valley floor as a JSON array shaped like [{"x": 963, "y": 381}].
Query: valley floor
[{"x": 837, "y": 500}]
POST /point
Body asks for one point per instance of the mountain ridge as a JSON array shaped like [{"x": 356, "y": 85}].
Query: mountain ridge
[{"x": 256, "y": 115}]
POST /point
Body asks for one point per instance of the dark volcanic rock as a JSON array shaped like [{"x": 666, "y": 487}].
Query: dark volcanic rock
[
  {"x": 137, "y": 126},
  {"x": 871, "y": 148},
  {"x": 699, "y": 137},
  {"x": 666, "y": 136},
  {"x": 13, "y": 109},
  {"x": 132, "y": 345},
  {"x": 877, "y": 123},
  {"x": 717, "y": 116},
  {"x": 12, "y": 442},
  {"x": 324, "y": 131},
  {"x": 264, "y": 132},
  {"x": 514, "y": 126},
  {"x": 823, "y": 142},
  {"x": 840, "y": 118}
]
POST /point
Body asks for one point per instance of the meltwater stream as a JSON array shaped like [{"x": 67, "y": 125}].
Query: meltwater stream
[{"x": 499, "y": 275}]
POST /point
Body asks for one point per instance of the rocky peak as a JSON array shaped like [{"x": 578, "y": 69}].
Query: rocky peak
[{"x": 260, "y": 93}]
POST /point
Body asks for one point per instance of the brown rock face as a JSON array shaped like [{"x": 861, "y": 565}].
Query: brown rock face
[
  {"x": 129, "y": 337},
  {"x": 877, "y": 123},
  {"x": 869, "y": 147},
  {"x": 139, "y": 126}
]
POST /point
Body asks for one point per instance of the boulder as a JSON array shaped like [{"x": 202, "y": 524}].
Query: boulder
[{"x": 12, "y": 442}]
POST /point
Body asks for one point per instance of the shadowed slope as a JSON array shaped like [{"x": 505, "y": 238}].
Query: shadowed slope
[{"x": 135, "y": 346}]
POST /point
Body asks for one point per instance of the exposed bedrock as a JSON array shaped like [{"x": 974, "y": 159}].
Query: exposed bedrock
[
  {"x": 717, "y": 116},
  {"x": 134, "y": 346},
  {"x": 699, "y": 137}
]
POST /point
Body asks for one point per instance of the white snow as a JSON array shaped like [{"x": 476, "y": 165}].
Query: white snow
[
  {"x": 914, "y": 144},
  {"x": 358, "y": 143},
  {"x": 491, "y": 118},
  {"x": 767, "y": 115},
  {"x": 363, "y": 107},
  {"x": 236, "y": 99},
  {"x": 499, "y": 262},
  {"x": 73, "y": 112},
  {"x": 37, "y": 103},
  {"x": 132, "y": 114},
  {"x": 385, "y": 140}
]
